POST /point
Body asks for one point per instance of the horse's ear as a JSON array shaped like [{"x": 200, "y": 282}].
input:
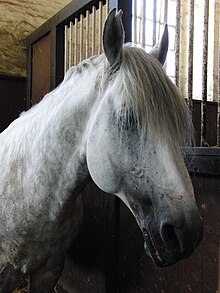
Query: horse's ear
[
  {"x": 159, "y": 51},
  {"x": 113, "y": 37}
]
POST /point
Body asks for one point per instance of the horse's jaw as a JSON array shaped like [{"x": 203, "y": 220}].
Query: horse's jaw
[
  {"x": 169, "y": 235},
  {"x": 165, "y": 252}
]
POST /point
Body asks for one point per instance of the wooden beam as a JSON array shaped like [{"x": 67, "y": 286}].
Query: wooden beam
[{"x": 200, "y": 160}]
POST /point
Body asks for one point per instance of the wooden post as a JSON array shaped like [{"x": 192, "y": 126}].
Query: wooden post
[
  {"x": 71, "y": 45},
  {"x": 87, "y": 33},
  {"x": 66, "y": 49},
  {"x": 81, "y": 49},
  {"x": 204, "y": 75},
  {"x": 100, "y": 25},
  {"x": 218, "y": 113},
  {"x": 143, "y": 23},
  {"x": 177, "y": 44},
  {"x": 190, "y": 55},
  {"x": 29, "y": 75},
  {"x": 93, "y": 29},
  {"x": 76, "y": 42},
  {"x": 154, "y": 37},
  {"x": 134, "y": 22},
  {"x": 184, "y": 47}
]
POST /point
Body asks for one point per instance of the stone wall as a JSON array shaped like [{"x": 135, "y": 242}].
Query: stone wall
[{"x": 19, "y": 18}]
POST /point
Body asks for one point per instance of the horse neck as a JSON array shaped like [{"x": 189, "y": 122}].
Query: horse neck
[
  {"x": 60, "y": 144},
  {"x": 67, "y": 138},
  {"x": 46, "y": 149}
]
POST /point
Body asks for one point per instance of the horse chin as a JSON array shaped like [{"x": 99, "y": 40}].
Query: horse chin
[{"x": 154, "y": 253}]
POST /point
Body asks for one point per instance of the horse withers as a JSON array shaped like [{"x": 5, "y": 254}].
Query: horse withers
[{"x": 118, "y": 120}]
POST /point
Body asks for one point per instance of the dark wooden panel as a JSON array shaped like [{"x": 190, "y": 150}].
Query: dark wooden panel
[
  {"x": 58, "y": 55},
  {"x": 108, "y": 255},
  {"x": 12, "y": 99},
  {"x": 202, "y": 160},
  {"x": 29, "y": 76},
  {"x": 4, "y": 105},
  {"x": 126, "y": 6},
  {"x": 138, "y": 274},
  {"x": 211, "y": 254},
  {"x": 190, "y": 271},
  {"x": 92, "y": 257},
  {"x": 211, "y": 122},
  {"x": 211, "y": 127},
  {"x": 196, "y": 116},
  {"x": 41, "y": 69}
]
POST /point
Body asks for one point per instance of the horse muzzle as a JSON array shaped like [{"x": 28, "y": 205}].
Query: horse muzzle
[{"x": 168, "y": 244}]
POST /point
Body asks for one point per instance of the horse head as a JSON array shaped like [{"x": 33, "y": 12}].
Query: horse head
[{"x": 133, "y": 146}]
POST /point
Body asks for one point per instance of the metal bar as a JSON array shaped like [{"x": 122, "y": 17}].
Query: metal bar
[
  {"x": 93, "y": 29},
  {"x": 107, "y": 6},
  {"x": 218, "y": 114},
  {"x": 81, "y": 49},
  {"x": 143, "y": 23},
  {"x": 203, "y": 141},
  {"x": 165, "y": 20},
  {"x": 87, "y": 34},
  {"x": 155, "y": 22},
  {"x": 190, "y": 55},
  {"x": 177, "y": 43},
  {"x": 217, "y": 29},
  {"x": 100, "y": 11},
  {"x": 71, "y": 45},
  {"x": 76, "y": 42},
  {"x": 135, "y": 22},
  {"x": 216, "y": 33},
  {"x": 29, "y": 77},
  {"x": 53, "y": 49},
  {"x": 183, "y": 55},
  {"x": 66, "y": 53},
  {"x": 165, "y": 15}
]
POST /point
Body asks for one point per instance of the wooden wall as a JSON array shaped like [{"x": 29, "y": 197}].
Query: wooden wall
[
  {"x": 198, "y": 274},
  {"x": 108, "y": 256},
  {"x": 12, "y": 99},
  {"x": 211, "y": 125},
  {"x": 41, "y": 71}
]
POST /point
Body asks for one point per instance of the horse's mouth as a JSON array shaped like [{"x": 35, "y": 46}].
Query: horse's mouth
[
  {"x": 152, "y": 252},
  {"x": 159, "y": 257}
]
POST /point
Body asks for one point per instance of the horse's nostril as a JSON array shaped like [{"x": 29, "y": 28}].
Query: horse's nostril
[{"x": 170, "y": 234}]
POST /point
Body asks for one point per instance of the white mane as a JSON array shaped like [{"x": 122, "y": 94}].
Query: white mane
[{"x": 143, "y": 90}]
